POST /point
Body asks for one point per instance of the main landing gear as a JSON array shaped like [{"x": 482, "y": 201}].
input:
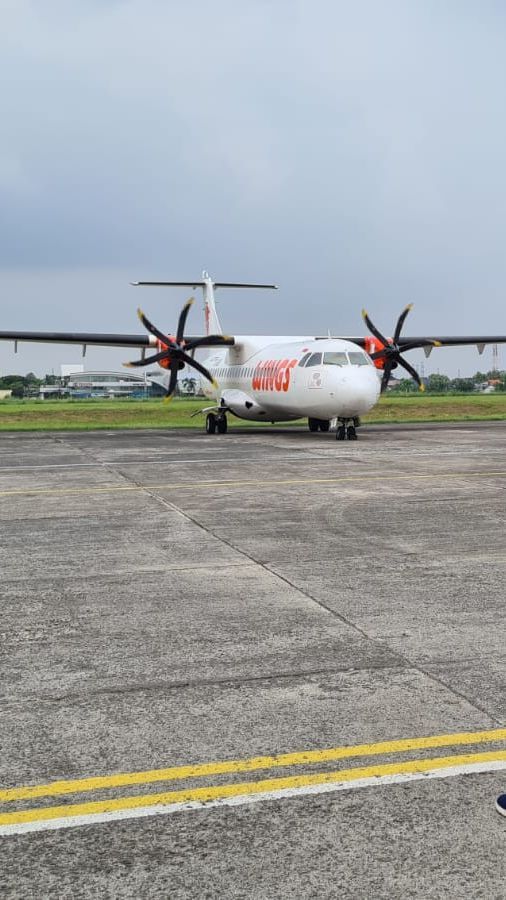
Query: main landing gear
[
  {"x": 216, "y": 423},
  {"x": 347, "y": 428},
  {"x": 318, "y": 424}
]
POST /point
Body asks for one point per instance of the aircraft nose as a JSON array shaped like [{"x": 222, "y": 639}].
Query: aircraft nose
[{"x": 357, "y": 389}]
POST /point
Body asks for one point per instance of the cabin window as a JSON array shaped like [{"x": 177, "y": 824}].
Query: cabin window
[
  {"x": 314, "y": 360},
  {"x": 335, "y": 359},
  {"x": 358, "y": 359}
]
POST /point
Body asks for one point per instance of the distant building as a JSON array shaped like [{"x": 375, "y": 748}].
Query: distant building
[{"x": 87, "y": 385}]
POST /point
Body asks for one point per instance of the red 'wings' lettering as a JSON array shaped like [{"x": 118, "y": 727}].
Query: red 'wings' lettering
[{"x": 273, "y": 375}]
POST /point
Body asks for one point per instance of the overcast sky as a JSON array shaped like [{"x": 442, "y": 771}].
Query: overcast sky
[{"x": 352, "y": 152}]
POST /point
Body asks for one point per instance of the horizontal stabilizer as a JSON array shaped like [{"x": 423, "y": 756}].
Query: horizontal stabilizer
[{"x": 196, "y": 284}]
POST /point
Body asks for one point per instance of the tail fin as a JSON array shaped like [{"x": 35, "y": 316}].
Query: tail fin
[{"x": 213, "y": 325}]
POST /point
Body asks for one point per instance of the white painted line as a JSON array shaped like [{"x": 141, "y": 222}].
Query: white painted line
[
  {"x": 165, "y": 461},
  {"x": 242, "y": 799},
  {"x": 51, "y": 466}
]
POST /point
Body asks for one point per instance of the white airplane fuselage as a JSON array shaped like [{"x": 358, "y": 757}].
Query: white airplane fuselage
[{"x": 262, "y": 378}]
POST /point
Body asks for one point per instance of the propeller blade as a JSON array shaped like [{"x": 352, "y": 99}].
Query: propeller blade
[
  {"x": 194, "y": 364},
  {"x": 415, "y": 345},
  {"x": 411, "y": 345},
  {"x": 209, "y": 341},
  {"x": 414, "y": 374},
  {"x": 148, "y": 360},
  {"x": 174, "y": 369},
  {"x": 182, "y": 320},
  {"x": 372, "y": 328},
  {"x": 152, "y": 328},
  {"x": 400, "y": 321},
  {"x": 385, "y": 378}
]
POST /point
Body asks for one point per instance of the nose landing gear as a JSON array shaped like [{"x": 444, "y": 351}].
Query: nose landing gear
[
  {"x": 216, "y": 423},
  {"x": 347, "y": 428}
]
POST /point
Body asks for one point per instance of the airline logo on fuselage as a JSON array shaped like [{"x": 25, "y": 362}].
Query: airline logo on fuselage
[{"x": 273, "y": 374}]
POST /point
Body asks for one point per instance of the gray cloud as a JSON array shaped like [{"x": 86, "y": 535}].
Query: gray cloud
[{"x": 351, "y": 152}]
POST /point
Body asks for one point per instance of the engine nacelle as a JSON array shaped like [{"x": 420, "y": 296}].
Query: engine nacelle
[{"x": 373, "y": 345}]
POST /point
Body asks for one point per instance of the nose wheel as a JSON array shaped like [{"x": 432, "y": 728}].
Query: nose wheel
[
  {"x": 216, "y": 423},
  {"x": 347, "y": 429}
]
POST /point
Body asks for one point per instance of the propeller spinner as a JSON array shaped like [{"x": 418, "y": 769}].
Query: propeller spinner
[
  {"x": 175, "y": 350},
  {"x": 391, "y": 351}
]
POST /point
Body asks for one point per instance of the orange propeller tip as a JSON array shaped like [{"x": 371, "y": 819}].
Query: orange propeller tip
[
  {"x": 139, "y": 312},
  {"x": 364, "y": 313},
  {"x": 422, "y": 388},
  {"x": 437, "y": 343}
]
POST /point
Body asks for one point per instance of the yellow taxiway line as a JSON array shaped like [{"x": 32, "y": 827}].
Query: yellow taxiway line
[
  {"x": 252, "y": 764},
  {"x": 232, "y": 793},
  {"x": 204, "y": 795},
  {"x": 189, "y": 485}
]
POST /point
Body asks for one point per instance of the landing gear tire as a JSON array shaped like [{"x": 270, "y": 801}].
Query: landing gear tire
[
  {"x": 347, "y": 428},
  {"x": 210, "y": 423},
  {"x": 318, "y": 424},
  {"x": 222, "y": 424}
]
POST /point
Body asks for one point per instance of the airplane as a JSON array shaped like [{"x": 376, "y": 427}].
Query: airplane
[{"x": 277, "y": 378}]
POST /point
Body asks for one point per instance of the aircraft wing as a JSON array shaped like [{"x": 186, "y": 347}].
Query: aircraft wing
[
  {"x": 427, "y": 342},
  {"x": 91, "y": 339},
  {"x": 453, "y": 341}
]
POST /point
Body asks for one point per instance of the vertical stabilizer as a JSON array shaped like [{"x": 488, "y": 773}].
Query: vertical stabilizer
[{"x": 213, "y": 325}]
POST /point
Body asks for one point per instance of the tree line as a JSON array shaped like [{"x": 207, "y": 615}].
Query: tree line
[
  {"x": 23, "y": 384},
  {"x": 442, "y": 384}
]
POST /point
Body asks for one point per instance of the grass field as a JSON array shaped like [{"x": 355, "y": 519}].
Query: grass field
[{"x": 68, "y": 415}]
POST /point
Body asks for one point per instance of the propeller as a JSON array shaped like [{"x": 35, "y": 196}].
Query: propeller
[
  {"x": 176, "y": 350},
  {"x": 391, "y": 351}
]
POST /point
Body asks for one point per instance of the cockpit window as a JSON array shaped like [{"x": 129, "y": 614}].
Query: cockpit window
[
  {"x": 335, "y": 359},
  {"x": 358, "y": 359},
  {"x": 314, "y": 360},
  {"x": 304, "y": 359}
]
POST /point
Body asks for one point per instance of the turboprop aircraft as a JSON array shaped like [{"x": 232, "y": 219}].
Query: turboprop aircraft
[{"x": 276, "y": 378}]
